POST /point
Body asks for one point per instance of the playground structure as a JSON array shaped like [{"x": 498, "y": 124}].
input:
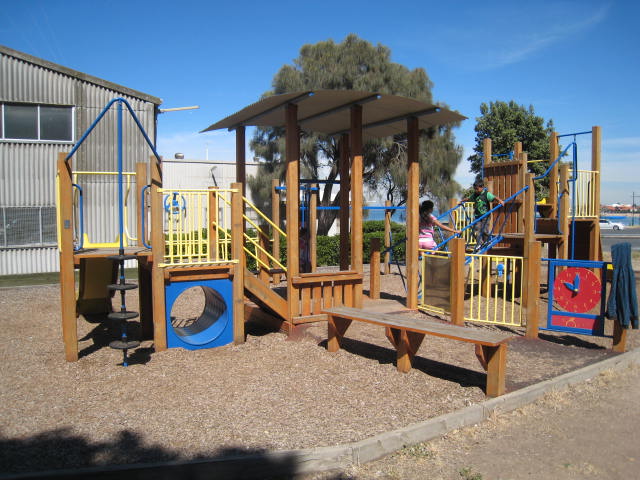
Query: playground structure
[
  {"x": 499, "y": 281},
  {"x": 205, "y": 235},
  {"x": 205, "y": 238}
]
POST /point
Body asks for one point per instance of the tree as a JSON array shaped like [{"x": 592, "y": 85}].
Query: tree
[
  {"x": 356, "y": 64},
  {"x": 506, "y": 124}
]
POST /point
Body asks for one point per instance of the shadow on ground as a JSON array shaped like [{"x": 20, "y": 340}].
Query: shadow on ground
[{"x": 61, "y": 454}]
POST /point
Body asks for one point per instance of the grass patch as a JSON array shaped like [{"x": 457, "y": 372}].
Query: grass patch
[
  {"x": 50, "y": 278},
  {"x": 468, "y": 474}
]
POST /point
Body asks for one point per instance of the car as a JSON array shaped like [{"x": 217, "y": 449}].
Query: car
[{"x": 606, "y": 224}]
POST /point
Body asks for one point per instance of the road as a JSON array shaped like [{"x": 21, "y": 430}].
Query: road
[{"x": 611, "y": 237}]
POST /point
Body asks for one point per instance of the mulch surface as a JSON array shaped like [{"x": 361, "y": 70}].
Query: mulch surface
[{"x": 265, "y": 394}]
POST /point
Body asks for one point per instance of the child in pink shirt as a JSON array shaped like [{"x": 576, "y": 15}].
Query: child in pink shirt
[{"x": 427, "y": 224}]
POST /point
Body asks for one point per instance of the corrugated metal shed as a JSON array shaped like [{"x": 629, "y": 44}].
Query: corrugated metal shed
[{"x": 27, "y": 168}]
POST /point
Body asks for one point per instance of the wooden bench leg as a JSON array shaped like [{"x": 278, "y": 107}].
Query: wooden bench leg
[
  {"x": 619, "y": 337},
  {"x": 336, "y": 330},
  {"x": 407, "y": 345},
  {"x": 494, "y": 361}
]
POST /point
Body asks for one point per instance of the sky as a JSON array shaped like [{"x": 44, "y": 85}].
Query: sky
[{"x": 575, "y": 62}]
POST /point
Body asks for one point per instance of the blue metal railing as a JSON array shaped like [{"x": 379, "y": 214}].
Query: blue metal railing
[{"x": 120, "y": 101}]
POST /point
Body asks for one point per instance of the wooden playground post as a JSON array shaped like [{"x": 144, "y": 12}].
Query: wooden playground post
[
  {"x": 345, "y": 182},
  {"x": 486, "y": 151},
  {"x": 263, "y": 242},
  {"x": 293, "y": 205},
  {"x": 563, "y": 213},
  {"x": 237, "y": 253},
  {"x": 553, "y": 175},
  {"x": 374, "y": 270},
  {"x": 387, "y": 238},
  {"x": 529, "y": 210},
  {"x": 457, "y": 284},
  {"x": 596, "y": 145},
  {"x": 530, "y": 306},
  {"x": 67, "y": 268},
  {"x": 413, "y": 194},
  {"x": 241, "y": 172},
  {"x": 520, "y": 183},
  {"x": 141, "y": 182},
  {"x": 357, "y": 171},
  {"x": 529, "y": 230},
  {"x": 212, "y": 227},
  {"x": 275, "y": 217},
  {"x": 313, "y": 227},
  {"x": 157, "y": 250}
]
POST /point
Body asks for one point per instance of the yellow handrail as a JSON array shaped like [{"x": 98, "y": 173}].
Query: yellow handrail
[{"x": 268, "y": 220}]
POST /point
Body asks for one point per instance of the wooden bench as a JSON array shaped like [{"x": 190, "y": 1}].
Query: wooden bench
[{"x": 406, "y": 335}]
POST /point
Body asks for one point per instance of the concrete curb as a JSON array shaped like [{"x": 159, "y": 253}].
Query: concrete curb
[
  {"x": 386, "y": 443},
  {"x": 295, "y": 462}
]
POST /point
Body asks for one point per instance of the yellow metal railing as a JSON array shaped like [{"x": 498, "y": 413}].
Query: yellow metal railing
[
  {"x": 187, "y": 218},
  {"x": 493, "y": 290},
  {"x": 462, "y": 218},
  {"x": 586, "y": 204},
  {"x": 258, "y": 252},
  {"x": 220, "y": 219}
]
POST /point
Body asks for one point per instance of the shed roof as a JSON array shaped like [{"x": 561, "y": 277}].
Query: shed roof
[
  {"x": 79, "y": 75},
  {"x": 328, "y": 112}
]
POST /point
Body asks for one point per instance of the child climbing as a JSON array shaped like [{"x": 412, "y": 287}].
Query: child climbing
[
  {"x": 481, "y": 198},
  {"x": 427, "y": 224}
]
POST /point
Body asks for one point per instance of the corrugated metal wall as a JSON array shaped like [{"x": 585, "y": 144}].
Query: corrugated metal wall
[
  {"x": 20, "y": 261},
  {"x": 27, "y": 170}
]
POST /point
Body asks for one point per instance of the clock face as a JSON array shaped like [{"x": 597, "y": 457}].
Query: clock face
[{"x": 577, "y": 290}]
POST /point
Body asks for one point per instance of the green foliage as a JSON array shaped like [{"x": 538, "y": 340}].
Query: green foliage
[
  {"x": 508, "y": 123},
  {"x": 355, "y": 64},
  {"x": 378, "y": 226},
  {"x": 328, "y": 250}
]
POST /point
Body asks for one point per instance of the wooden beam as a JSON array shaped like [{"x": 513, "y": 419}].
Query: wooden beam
[
  {"x": 553, "y": 174},
  {"x": 313, "y": 226},
  {"x": 241, "y": 174},
  {"x": 293, "y": 204},
  {"x": 531, "y": 307},
  {"x": 157, "y": 249},
  {"x": 237, "y": 252},
  {"x": 486, "y": 152},
  {"x": 413, "y": 194},
  {"x": 357, "y": 199},
  {"x": 275, "y": 218},
  {"x": 595, "y": 252},
  {"x": 345, "y": 189},
  {"x": 67, "y": 268},
  {"x": 457, "y": 283},
  {"x": 563, "y": 213},
  {"x": 374, "y": 270},
  {"x": 387, "y": 238},
  {"x": 141, "y": 182}
]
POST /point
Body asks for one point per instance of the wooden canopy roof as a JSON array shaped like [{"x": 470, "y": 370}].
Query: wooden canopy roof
[{"x": 328, "y": 112}]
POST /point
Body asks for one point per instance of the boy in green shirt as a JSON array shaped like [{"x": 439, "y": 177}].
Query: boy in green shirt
[{"x": 481, "y": 198}]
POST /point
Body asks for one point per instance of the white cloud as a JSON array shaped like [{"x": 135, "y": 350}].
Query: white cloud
[{"x": 521, "y": 46}]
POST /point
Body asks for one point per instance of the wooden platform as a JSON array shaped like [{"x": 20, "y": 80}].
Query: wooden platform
[
  {"x": 406, "y": 335},
  {"x": 143, "y": 253}
]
